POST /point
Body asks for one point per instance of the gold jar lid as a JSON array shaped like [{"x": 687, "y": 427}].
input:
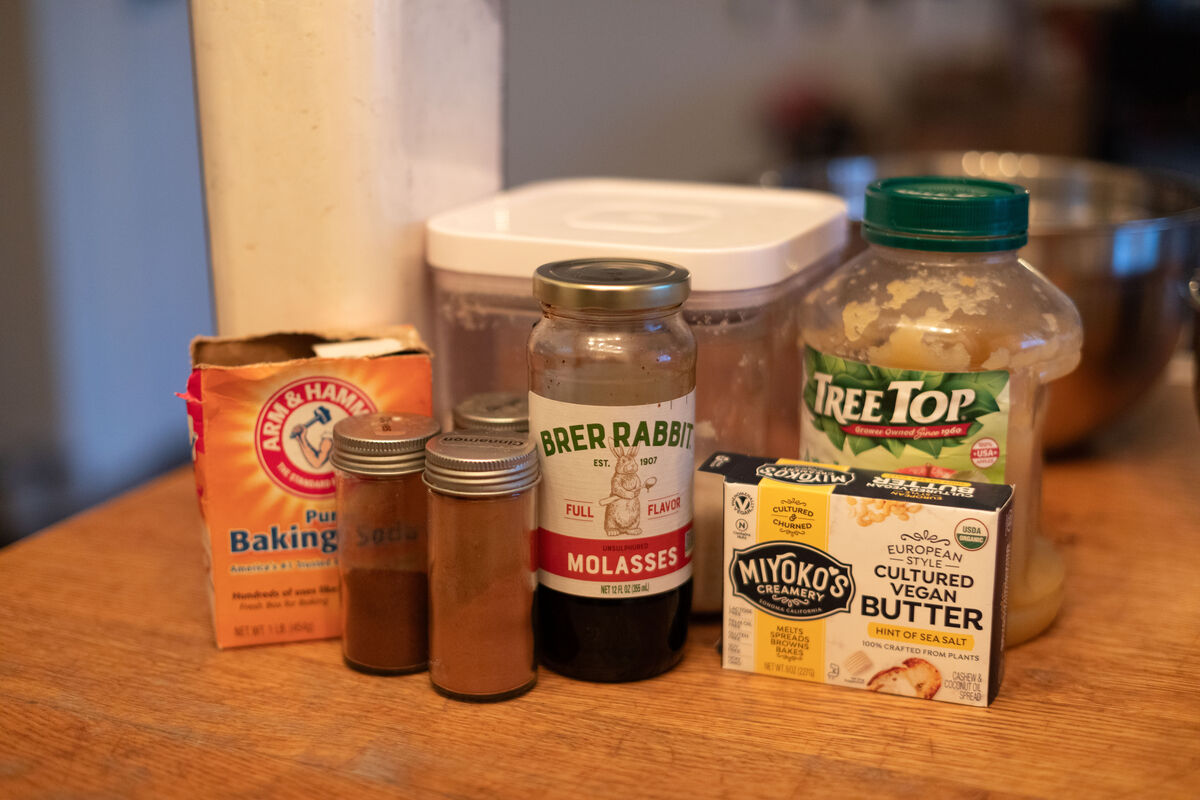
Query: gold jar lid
[{"x": 611, "y": 284}]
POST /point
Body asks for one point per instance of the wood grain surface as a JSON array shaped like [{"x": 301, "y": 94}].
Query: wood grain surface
[{"x": 110, "y": 684}]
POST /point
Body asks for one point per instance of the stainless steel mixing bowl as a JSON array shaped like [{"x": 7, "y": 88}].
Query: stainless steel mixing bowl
[{"x": 1121, "y": 242}]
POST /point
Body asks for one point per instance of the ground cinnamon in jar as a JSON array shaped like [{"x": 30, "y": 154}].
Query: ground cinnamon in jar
[
  {"x": 482, "y": 564},
  {"x": 386, "y": 610},
  {"x": 382, "y": 540}
]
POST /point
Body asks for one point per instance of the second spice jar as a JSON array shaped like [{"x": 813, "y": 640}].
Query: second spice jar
[{"x": 482, "y": 562}]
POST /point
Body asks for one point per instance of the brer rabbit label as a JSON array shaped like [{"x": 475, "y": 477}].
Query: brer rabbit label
[{"x": 616, "y": 497}]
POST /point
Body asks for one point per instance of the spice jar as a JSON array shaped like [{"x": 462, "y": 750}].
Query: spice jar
[
  {"x": 482, "y": 506},
  {"x": 929, "y": 354},
  {"x": 382, "y": 542},
  {"x": 493, "y": 411},
  {"x": 612, "y": 376}
]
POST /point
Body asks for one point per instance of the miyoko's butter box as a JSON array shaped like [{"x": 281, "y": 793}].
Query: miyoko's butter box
[
  {"x": 261, "y": 412},
  {"x": 873, "y": 580}
]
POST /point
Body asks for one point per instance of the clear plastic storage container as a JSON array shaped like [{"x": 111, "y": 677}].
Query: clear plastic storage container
[{"x": 752, "y": 254}]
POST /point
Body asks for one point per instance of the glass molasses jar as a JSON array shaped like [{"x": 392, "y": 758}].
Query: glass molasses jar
[{"x": 612, "y": 370}]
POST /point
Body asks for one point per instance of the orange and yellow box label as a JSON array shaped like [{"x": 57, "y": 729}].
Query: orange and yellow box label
[{"x": 262, "y": 434}]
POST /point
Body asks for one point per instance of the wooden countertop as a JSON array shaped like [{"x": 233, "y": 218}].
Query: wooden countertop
[{"x": 110, "y": 684}]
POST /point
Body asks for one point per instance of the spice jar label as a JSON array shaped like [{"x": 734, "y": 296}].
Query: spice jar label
[
  {"x": 927, "y": 423},
  {"x": 616, "y": 498}
]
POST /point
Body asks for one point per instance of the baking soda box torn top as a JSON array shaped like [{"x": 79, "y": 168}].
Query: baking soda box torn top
[
  {"x": 261, "y": 413},
  {"x": 873, "y": 580}
]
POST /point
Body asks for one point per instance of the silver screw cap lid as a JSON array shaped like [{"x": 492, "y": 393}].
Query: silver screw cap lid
[
  {"x": 480, "y": 463},
  {"x": 611, "y": 284},
  {"x": 493, "y": 411},
  {"x": 382, "y": 443}
]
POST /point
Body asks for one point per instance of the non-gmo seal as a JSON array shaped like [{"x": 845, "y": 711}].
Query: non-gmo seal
[
  {"x": 792, "y": 580},
  {"x": 294, "y": 432},
  {"x": 971, "y": 534}
]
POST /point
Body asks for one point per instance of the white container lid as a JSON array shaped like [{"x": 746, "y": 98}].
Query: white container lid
[{"x": 729, "y": 237}]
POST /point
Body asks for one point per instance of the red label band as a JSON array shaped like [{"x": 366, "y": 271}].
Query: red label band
[
  {"x": 613, "y": 560},
  {"x": 907, "y": 431}
]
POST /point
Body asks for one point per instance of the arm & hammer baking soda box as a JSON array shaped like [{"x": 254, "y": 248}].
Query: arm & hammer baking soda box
[
  {"x": 261, "y": 412},
  {"x": 873, "y": 580}
]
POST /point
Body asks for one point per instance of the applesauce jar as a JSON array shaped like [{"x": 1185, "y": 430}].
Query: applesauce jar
[
  {"x": 612, "y": 390},
  {"x": 929, "y": 354}
]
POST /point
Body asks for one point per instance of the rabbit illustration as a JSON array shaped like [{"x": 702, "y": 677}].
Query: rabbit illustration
[{"x": 622, "y": 510}]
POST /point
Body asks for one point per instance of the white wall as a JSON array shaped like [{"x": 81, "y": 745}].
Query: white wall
[{"x": 678, "y": 88}]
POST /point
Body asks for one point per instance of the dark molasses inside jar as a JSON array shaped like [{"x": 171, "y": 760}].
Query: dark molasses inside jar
[{"x": 611, "y": 409}]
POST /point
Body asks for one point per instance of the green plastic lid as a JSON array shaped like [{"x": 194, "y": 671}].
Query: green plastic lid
[{"x": 931, "y": 212}]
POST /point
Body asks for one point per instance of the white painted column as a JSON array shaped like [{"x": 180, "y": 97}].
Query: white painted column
[{"x": 331, "y": 129}]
